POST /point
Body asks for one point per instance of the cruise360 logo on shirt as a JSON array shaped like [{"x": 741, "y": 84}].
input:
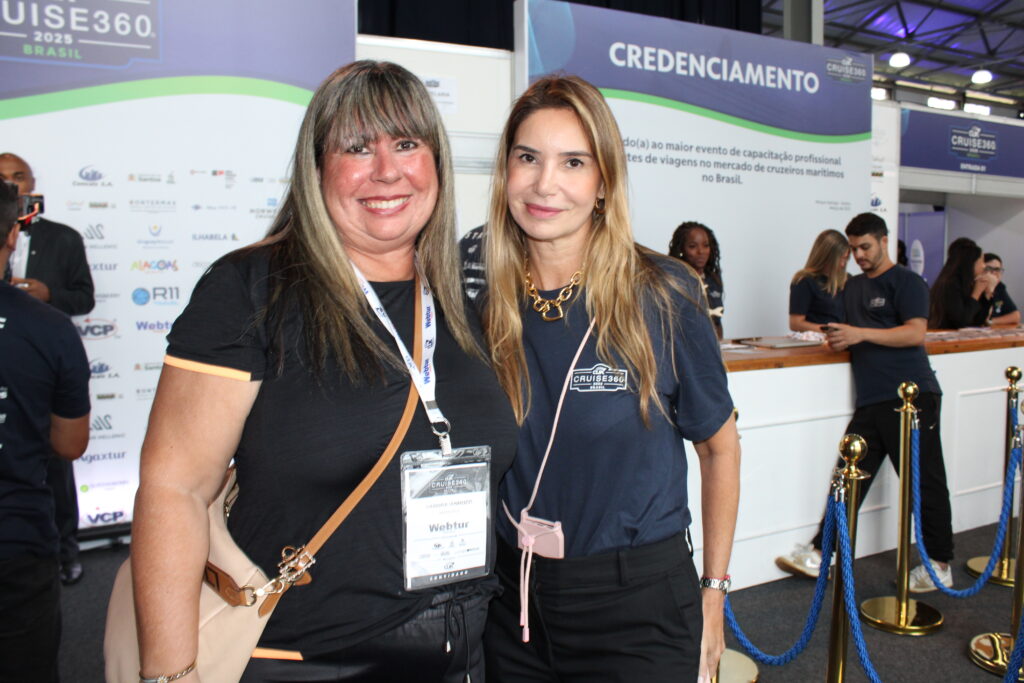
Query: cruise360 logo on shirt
[{"x": 599, "y": 378}]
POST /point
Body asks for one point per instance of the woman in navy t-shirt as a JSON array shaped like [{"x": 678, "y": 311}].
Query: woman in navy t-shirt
[
  {"x": 695, "y": 244},
  {"x": 815, "y": 294},
  {"x": 609, "y": 357}
]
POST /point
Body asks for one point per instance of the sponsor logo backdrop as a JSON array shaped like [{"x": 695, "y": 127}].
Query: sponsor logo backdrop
[{"x": 162, "y": 131}]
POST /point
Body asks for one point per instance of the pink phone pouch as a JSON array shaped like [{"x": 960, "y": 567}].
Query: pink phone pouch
[{"x": 543, "y": 537}]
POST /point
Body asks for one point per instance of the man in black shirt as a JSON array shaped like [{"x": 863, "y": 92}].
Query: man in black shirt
[
  {"x": 44, "y": 410},
  {"x": 1001, "y": 308},
  {"x": 887, "y": 315},
  {"x": 49, "y": 263}
]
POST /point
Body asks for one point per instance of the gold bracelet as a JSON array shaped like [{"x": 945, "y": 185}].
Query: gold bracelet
[{"x": 167, "y": 678}]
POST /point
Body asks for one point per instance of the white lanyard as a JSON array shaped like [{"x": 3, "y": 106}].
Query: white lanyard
[{"x": 425, "y": 379}]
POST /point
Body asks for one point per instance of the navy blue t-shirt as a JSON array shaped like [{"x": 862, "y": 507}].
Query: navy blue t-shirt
[
  {"x": 886, "y": 301},
  {"x": 811, "y": 299},
  {"x": 43, "y": 371},
  {"x": 612, "y": 482}
]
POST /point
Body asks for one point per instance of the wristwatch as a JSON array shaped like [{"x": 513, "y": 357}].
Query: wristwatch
[{"x": 722, "y": 584}]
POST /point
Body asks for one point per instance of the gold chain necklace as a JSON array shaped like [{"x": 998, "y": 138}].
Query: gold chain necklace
[{"x": 551, "y": 309}]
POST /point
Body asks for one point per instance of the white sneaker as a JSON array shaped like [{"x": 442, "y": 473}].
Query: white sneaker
[
  {"x": 804, "y": 560},
  {"x": 920, "y": 582}
]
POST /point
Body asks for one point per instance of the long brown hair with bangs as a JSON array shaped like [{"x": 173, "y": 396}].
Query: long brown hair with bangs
[
  {"x": 355, "y": 105},
  {"x": 618, "y": 274}
]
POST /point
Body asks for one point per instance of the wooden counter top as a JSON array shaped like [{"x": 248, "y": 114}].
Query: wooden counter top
[{"x": 938, "y": 342}]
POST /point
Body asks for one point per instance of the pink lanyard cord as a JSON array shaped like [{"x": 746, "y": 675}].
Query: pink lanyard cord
[{"x": 526, "y": 540}]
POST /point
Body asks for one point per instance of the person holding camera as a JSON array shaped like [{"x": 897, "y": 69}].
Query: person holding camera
[{"x": 48, "y": 262}]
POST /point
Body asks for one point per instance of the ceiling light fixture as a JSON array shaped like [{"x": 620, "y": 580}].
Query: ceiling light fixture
[
  {"x": 981, "y": 76},
  {"x": 941, "y": 103},
  {"x": 898, "y": 60},
  {"x": 973, "y": 108},
  {"x": 879, "y": 93}
]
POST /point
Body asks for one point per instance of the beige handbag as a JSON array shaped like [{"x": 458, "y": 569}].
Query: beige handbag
[{"x": 236, "y": 598}]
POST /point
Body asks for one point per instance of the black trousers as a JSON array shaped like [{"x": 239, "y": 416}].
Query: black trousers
[
  {"x": 414, "y": 651},
  {"x": 29, "y": 619},
  {"x": 879, "y": 424},
  {"x": 627, "y": 616},
  {"x": 60, "y": 477}
]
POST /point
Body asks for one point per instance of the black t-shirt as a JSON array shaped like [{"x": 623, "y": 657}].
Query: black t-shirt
[
  {"x": 960, "y": 309},
  {"x": 1001, "y": 303},
  {"x": 811, "y": 299},
  {"x": 716, "y": 293},
  {"x": 305, "y": 446},
  {"x": 883, "y": 302},
  {"x": 43, "y": 371},
  {"x": 612, "y": 482}
]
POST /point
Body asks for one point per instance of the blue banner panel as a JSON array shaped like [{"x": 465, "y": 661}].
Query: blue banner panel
[
  {"x": 953, "y": 143},
  {"x": 112, "y": 41},
  {"x": 765, "y": 81}
]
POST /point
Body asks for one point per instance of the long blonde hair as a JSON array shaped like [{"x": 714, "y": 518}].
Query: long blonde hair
[
  {"x": 356, "y": 105},
  {"x": 827, "y": 260},
  {"x": 619, "y": 277}
]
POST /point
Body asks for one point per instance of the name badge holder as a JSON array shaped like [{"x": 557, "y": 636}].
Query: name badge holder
[
  {"x": 446, "y": 507},
  {"x": 446, "y": 493},
  {"x": 537, "y": 536}
]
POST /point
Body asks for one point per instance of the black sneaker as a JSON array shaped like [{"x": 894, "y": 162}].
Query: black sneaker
[{"x": 71, "y": 572}]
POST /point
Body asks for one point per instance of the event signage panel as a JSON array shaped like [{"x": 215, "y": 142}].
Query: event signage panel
[
  {"x": 765, "y": 141},
  {"x": 781, "y": 84},
  {"x": 946, "y": 142},
  {"x": 162, "y": 131}
]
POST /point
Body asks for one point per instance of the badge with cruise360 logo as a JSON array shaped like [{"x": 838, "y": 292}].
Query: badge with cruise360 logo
[
  {"x": 446, "y": 506},
  {"x": 599, "y": 378}
]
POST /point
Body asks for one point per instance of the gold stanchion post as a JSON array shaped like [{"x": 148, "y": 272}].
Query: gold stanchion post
[
  {"x": 991, "y": 651},
  {"x": 847, "y": 480},
  {"x": 900, "y": 614},
  {"x": 1002, "y": 575}
]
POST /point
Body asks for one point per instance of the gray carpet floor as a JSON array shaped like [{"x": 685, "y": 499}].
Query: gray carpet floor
[{"x": 771, "y": 614}]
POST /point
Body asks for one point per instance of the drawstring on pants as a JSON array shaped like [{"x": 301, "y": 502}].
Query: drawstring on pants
[{"x": 452, "y": 622}]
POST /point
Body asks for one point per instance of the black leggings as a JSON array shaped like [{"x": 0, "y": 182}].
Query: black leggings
[
  {"x": 414, "y": 651},
  {"x": 632, "y": 615}
]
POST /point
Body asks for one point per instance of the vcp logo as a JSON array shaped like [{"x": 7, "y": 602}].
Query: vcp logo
[
  {"x": 96, "y": 328},
  {"x": 105, "y": 517}
]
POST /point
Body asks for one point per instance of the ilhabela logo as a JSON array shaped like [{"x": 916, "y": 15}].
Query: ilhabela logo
[{"x": 96, "y": 328}]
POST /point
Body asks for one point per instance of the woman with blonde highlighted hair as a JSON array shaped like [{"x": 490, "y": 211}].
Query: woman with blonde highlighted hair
[
  {"x": 816, "y": 292},
  {"x": 297, "y": 357},
  {"x": 609, "y": 358}
]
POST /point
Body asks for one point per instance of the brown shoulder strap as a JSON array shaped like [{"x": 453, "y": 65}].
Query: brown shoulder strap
[{"x": 353, "y": 499}]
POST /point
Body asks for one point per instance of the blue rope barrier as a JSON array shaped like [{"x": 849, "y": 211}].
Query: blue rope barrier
[
  {"x": 852, "y": 613},
  {"x": 1004, "y": 516},
  {"x": 1016, "y": 657},
  {"x": 827, "y": 543}
]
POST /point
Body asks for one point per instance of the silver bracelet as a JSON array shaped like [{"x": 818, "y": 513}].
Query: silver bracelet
[{"x": 167, "y": 678}]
